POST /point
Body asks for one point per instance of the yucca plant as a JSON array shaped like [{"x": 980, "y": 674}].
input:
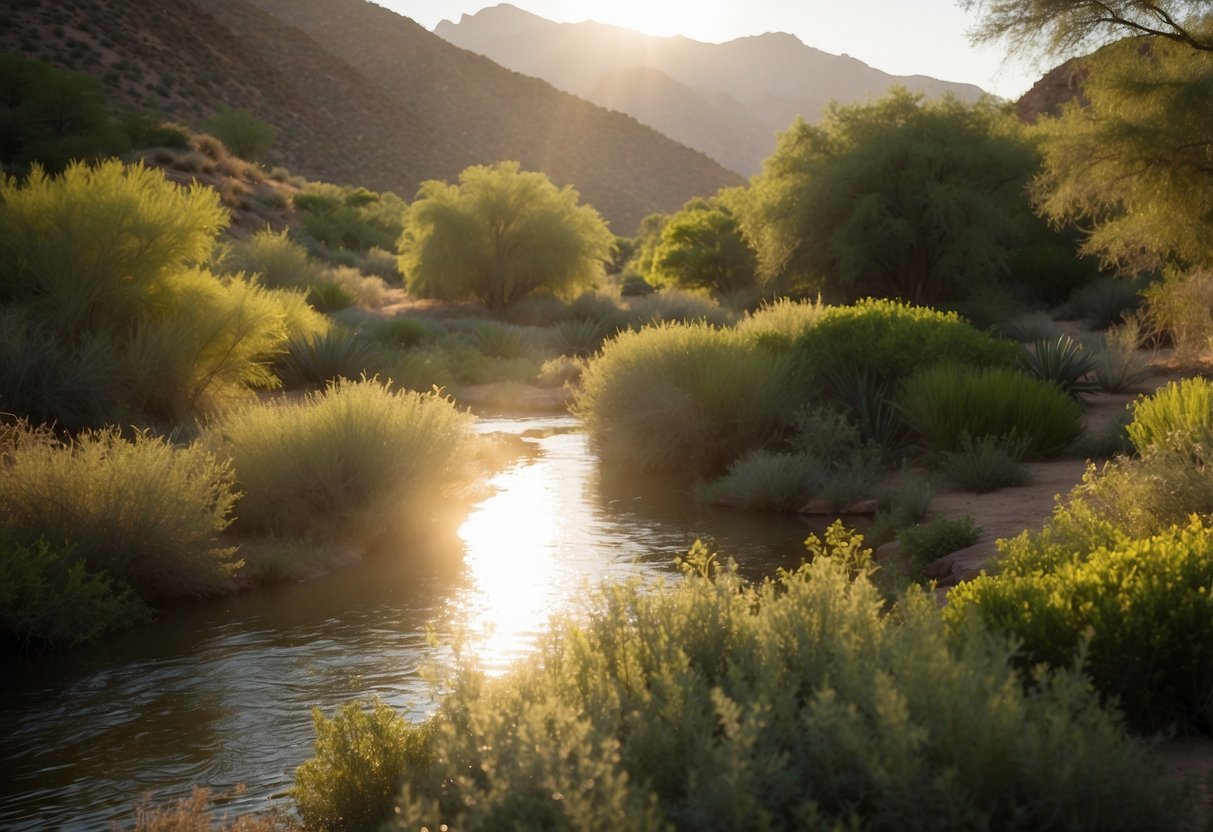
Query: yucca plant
[
  {"x": 1063, "y": 361},
  {"x": 313, "y": 361},
  {"x": 330, "y": 296},
  {"x": 986, "y": 463}
]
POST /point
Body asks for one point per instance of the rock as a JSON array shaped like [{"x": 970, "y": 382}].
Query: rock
[
  {"x": 818, "y": 507},
  {"x": 865, "y": 507},
  {"x": 961, "y": 565}
]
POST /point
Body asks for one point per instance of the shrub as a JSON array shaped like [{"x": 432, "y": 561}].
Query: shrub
[
  {"x": 498, "y": 340},
  {"x": 890, "y": 340},
  {"x": 1137, "y": 614},
  {"x": 361, "y": 759},
  {"x": 355, "y": 461},
  {"x": 330, "y": 296},
  {"x": 946, "y": 402},
  {"x": 49, "y": 598},
  {"x": 783, "y": 320},
  {"x": 242, "y": 132},
  {"x": 147, "y": 513},
  {"x": 402, "y": 331},
  {"x": 1177, "y": 419},
  {"x": 987, "y": 463},
  {"x": 275, "y": 259},
  {"x": 679, "y": 306},
  {"x": 822, "y": 432},
  {"x": 1105, "y": 301},
  {"x": 1063, "y": 361},
  {"x": 766, "y": 481},
  {"x": 1180, "y": 309},
  {"x": 792, "y": 704},
  {"x": 682, "y": 396},
  {"x": 353, "y": 219},
  {"x": 579, "y": 337},
  {"x": 314, "y": 361},
  {"x": 1119, "y": 364},
  {"x": 926, "y": 542},
  {"x": 197, "y": 813},
  {"x": 366, "y": 290},
  {"x": 866, "y": 398}
]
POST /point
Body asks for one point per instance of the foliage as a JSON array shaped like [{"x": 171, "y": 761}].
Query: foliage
[
  {"x": 355, "y": 461},
  {"x": 791, "y": 704},
  {"x": 1179, "y": 308},
  {"x": 50, "y": 117},
  {"x": 498, "y": 236},
  {"x": 197, "y": 814},
  {"x": 1066, "y": 26},
  {"x": 682, "y": 396},
  {"x": 49, "y": 598},
  {"x": 1120, "y": 365},
  {"x": 702, "y": 247},
  {"x": 766, "y": 481},
  {"x": 350, "y": 218},
  {"x": 1105, "y": 301},
  {"x": 274, "y": 259},
  {"x": 1136, "y": 613},
  {"x": 1063, "y": 361},
  {"x": 329, "y": 296},
  {"x": 402, "y": 331},
  {"x": 867, "y": 401},
  {"x": 1178, "y": 420},
  {"x": 242, "y": 132},
  {"x": 677, "y": 305},
  {"x": 946, "y": 402},
  {"x": 1131, "y": 163},
  {"x": 144, "y": 512},
  {"x": 987, "y": 463},
  {"x": 890, "y": 340},
  {"x": 926, "y": 542},
  {"x": 1049, "y": 269},
  {"x": 361, "y": 759},
  {"x": 782, "y": 321},
  {"x": 900, "y": 198},
  {"x": 579, "y": 337},
  {"x": 312, "y": 362}
]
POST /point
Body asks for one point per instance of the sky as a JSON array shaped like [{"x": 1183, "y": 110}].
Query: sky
[{"x": 902, "y": 37}]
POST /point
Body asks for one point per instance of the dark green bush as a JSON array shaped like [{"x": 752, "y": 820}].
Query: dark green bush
[
  {"x": 242, "y": 132},
  {"x": 947, "y": 402},
  {"x": 766, "y": 481},
  {"x": 1063, "y": 361},
  {"x": 312, "y": 362},
  {"x": 925, "y": 542},
  {"x": 330, "y": 296},
  {"x": 987, "y": 463},
  {"x": 49, "y": 598},
  {"x": 1136, "y": 613},
  {"x": 793, "y": 704},
  {"x": 1105, "y": 301}
]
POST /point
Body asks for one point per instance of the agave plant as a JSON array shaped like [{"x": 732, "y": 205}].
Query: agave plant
[
  {"x": 1063, "y": 361},
  {"x": 313, "y": 362}
]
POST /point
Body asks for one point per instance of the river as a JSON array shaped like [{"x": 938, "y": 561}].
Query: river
[{"x": 219, "y": 693}]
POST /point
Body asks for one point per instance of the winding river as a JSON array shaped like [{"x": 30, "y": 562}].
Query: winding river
[{"x": 219, "y": 693}]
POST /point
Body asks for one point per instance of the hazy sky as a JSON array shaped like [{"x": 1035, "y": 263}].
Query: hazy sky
[{"x": 904, "y": 37}]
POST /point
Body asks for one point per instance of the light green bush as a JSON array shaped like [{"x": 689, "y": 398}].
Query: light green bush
[
  {"x": 356, "y": 461},
  {"x": 682, "y": 396},
  {"x": 274, "y": 260},
  {"x": 784, "y": 319},
  {"x": 147, "y": 513},
  {"x": 361, "y": 759},
  {"x": 1180, "y": 308},
  {"x": 946, "y": 402},
  {"x": 1178, "y": 419},
  {"x": 677, "y": 306},
  {"x": 792, "y": 704},
  {"x": 1137, "y": 613},
  {"x": 242, "y": 132}
]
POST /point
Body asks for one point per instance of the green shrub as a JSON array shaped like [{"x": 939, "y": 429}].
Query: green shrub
[
  {"x": 330, "y": 296},
  {"x": 366, "y": 290},
  {"x": 1105, "y": 301},
  {"x": 677, "y": 306},
  {"x": 946, "y": 402},
  {"x": 498, "y": 340},
  {"x": 890, "y": 340},
  {"x": 242, "y": 132},
  {"x": 866, "y": 397},
  {"x": 355, "y": 461},
  {"x": 1177, "y": 419},
  {"x": 403, "y": 332},
  {"x": 147, "y": 513},
  {"x": 766, "y": 481},
  {"x": 925, "y": 542},
  {"x": 900, "y": 506},
  {"x": 49, "y": 598},
  {"x": 315, "y": 361},
  {"x": 361, "y": 759},
  {"x": 353, "y": 219},
  {"x": 682, "y": 397},
  {"x": 277, "y": 261},
  {"x": 1137, "y": 614},
  {"x": 783, "y": 320},
  {"x": 1120, "y": 365},
  {"x": 822, "y": 432},
  {"x": 1063, "y": 361},
  {"x": 791, "y": 704},
  {"x": 987, "y": 463},
  {"x": 579, "y": 337},
  {"x": 1180, "y": 309}
]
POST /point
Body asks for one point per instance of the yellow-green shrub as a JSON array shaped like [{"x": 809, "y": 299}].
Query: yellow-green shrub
[
  {"x": 793, "y": 704},
  {"x": 354, "y": 461},
  {"x": 1137, "y": 613},
  {"x": 683, "y": 396}
]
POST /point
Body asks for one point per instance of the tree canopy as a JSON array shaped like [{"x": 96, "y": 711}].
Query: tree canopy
[
  {"x": 499, "y": 235},
  {"x": 1133, "y": 166},
  {"x": 702, "y": 247},
  {"x": 1057, "y": 27},
  {"x": 898, "y": 198}
]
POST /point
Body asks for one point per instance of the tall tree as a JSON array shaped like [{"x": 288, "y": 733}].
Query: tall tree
[
  {"x": 499, "y": 235},
  {"x": 898, "y": 198},
  {"x": 702, "y": 247}
]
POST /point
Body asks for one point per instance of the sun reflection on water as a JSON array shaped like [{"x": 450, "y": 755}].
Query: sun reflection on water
[{"x": 511, "y": 557}]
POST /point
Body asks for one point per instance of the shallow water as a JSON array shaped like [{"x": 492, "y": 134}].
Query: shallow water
[{"x": 219, "y": 693}]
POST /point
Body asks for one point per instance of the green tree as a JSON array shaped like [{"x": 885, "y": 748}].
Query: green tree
[
  {"x": 242, "y": 132},
  {"x": 50, "y": 116},
  {"x": 1059, "y": 27},
  {"x": 902, "y": 197},
  {"x": 702, "y": 247},
  {"x": 499, "y": 235}
]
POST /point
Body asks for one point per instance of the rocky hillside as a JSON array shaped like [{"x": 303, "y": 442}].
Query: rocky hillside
[
  {"x": 359, "y": 95},
  {"x": 728, "y": 99}
]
